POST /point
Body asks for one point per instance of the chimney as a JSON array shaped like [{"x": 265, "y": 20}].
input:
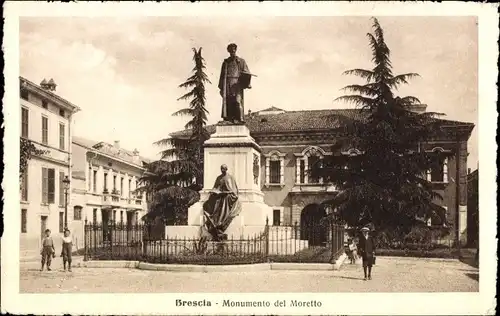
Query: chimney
[
  {"x": 43, "y": 84},
  {"x": 117, "y": 144},
  {"x": 136, "y": 157},
  {"x": 50, "y": 85},
  {"x": 249, "y": 112}
]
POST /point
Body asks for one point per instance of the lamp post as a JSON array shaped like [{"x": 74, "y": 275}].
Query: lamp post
[{"x": 66, "y": 183}]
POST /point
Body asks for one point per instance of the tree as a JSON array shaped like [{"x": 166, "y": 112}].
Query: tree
[
  {"x": 174, "y": 180},
  {"x": 187, "y": 154},
  {"x": 383, "y": 181}
]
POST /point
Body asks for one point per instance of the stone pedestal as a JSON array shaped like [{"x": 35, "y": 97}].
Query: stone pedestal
[{"x": 233, "y": 146}]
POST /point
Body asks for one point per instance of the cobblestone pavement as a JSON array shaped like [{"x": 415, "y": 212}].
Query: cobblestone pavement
[{"x": 389, "y": 275}]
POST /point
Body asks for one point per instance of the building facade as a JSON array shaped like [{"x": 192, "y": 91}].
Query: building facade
[
  {"x": 105, "y": 177},
  {"x": 292, "y": 141},
  {"x": 46, "y": 121}
]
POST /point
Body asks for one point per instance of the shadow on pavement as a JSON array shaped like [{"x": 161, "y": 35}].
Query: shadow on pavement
[
  {"x": 349, "y": 278},
  {"x": 471, "y": 261},
  {"x": 473, "y": 276}
]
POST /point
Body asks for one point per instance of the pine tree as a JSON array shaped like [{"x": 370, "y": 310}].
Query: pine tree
[
  {"x": 174, "y": 180},
  {"x": 384, "y": 182}
]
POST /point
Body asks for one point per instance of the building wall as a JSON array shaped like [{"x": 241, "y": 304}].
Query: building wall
[
  {"x": 292, "y": 203},
  {"x": 85, "y": 161},
  {"x": 55, "y": 158}
]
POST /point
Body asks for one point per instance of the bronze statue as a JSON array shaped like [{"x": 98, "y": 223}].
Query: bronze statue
[
  {"x": 222, "y": 205},
  {"x": 234, "y": 79}
]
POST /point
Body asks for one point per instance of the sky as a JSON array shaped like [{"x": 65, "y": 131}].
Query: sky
[{"x": 124, "y": 72}]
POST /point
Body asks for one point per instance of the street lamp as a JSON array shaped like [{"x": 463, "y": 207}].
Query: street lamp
[{"x": 66, "y": 189}]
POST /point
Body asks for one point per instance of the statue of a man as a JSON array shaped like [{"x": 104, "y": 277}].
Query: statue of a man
[
  {"x": 234, "y": 78},
  {"x": 222, "y": 205}
]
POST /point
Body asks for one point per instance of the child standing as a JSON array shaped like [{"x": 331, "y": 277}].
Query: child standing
[
  {"x": 48, "y": 251},
  {"x": 67, "y": 248},
  {"x": 353, "y": 251}
]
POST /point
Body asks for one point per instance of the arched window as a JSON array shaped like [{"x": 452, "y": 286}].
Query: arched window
[
  {"x": 439, "y": 167},
  {"x": 305, "y": 161}
]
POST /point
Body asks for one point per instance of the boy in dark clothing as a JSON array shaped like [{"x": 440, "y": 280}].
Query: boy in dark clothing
[
  {"x": 48, "y": 251},
  {"x": 367, "y": 251}
]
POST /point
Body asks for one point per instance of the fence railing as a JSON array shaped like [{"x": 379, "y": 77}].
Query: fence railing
[{"x": 306, "y": 243}]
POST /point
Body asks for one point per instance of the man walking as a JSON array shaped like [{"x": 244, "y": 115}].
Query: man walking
[{"x": 367, "y": 251}]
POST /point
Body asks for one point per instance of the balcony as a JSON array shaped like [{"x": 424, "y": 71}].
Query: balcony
[
  {"x": 313, "y": 188},
  {"x": 112, "y": 200}
]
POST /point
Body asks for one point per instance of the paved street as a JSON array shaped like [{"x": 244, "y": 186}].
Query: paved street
[{"x": 389, "y": 275}]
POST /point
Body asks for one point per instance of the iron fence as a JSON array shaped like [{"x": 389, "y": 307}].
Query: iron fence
[{"x": 306, "y": 243}]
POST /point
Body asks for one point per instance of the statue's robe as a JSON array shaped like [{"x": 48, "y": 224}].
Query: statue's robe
[
  {"x": 222, "y": 206},
  {"x": 232, "y": 86}
]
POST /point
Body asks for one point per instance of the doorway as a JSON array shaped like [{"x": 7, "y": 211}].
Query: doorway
[{"x": 311, "y": 227}]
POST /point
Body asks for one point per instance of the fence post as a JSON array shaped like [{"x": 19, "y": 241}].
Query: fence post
[
  {"x": 85, "y": 255},
  {"x": 266, "y": 236}
]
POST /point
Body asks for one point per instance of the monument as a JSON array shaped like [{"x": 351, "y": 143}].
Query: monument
[{"x": 231, "y": 204}]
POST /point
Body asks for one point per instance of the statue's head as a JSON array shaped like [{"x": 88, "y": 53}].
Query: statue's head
[
  {"x": 223, "y": 169},
  {"x": 231, "y": 49}
]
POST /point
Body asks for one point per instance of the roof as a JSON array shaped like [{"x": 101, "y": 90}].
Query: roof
[
  {"x": 110, "y": 150},
  {"x": 62, "y": 101},
  {"x": 301, "y": 121}
]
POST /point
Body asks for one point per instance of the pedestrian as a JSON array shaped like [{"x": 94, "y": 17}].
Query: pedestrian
[
  {"x": 67, "y": 248},
  {"x": 367, "y": 251},
  {"x": 353, "y": 250},
  {"x": 48, "y": 251}
]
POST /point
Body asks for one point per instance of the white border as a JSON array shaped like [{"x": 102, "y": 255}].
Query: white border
[{"x": 340, "y": 303}]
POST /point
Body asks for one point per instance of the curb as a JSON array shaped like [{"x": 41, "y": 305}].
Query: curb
[
  {"x": 302, "y": 266},
  {"x": 203, "y": 268},
  {"x": 109, "y": 264}
]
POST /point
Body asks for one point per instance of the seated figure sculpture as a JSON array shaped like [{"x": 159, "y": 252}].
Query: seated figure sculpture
[{"x": 222, "y": 205}]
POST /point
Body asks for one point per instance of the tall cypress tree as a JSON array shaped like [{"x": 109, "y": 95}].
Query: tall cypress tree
[
  {"x": 174, "y": 180},
  {"x": 384, "y": 181}
]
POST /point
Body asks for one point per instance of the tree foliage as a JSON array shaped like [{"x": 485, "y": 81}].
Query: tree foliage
[
  {"x": 384, "y": 183},
  {"x": 27, "y": 151},
  {"x": 174, "y": 180}
]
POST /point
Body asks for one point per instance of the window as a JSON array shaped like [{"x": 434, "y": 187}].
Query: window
[
  {"x": 61, "y": 222},
  {"x": 62, "y": 113},
  {"x": 90, "y": 178},
  {"x": 276, "y": 217},
  {"x": 24, "y": 221},
  {"x": 275, "y": 171},
  {"x": 94, "y": 181},
  {"x": 24, "y": 186},
  {"x": 114, "y": 216},
  {"x": 77, "y": 213},
  {"x": 94, "y": 216},
  {"x": 45, "y": 104},
  {"x": 302, "y": 167},
  {"x": 24, "y": 122},
  {"x": 129, "y": 187},
  {"x": 312, "y": 162},
  {"x": 105, "y": 182},
  {"x": 439, "y": 170},
  {"x": 121, "y": 216},
  {"x": 24, "y": 94},
  {"x": 45, "y": 130},
  {"x": 61, "y": 189},
  {"x": 48, "y": 185},
  {"x": 121, "y": 185},
  {"x": 114, "y": 183},
  {"x": 61, "y": 136}
]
